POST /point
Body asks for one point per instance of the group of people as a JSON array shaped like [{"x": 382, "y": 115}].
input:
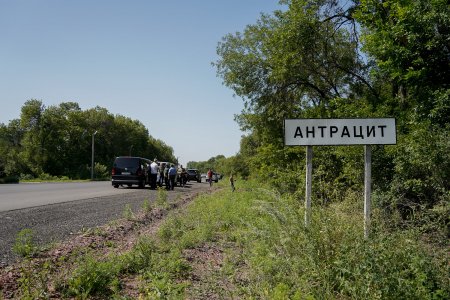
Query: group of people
[{"x": 167, "y": 175}]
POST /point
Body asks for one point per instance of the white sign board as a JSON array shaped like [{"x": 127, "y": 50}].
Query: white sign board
[{"x": 312, "y": 132}]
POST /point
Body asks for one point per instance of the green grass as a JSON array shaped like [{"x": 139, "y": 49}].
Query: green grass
[
  {"x": 331, "y": 259},
  {"x": 267, "y": 253}
]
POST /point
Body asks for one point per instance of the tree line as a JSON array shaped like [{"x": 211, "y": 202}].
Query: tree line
[
  {"x": 364, "y": 59},
  {"x": 57, "y": 141}
]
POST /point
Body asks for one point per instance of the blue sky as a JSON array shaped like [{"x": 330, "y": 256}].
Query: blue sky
[{"x": 147, "y": 60}]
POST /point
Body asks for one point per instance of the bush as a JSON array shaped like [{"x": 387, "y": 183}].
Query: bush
[
  {"x": 101, "y": 171},
  {"x": 26, "y": 177},
  {"x": 385, "y": 267},
  {"x": 422, "y": 170}
]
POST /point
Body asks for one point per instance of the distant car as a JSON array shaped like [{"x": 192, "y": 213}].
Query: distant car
[
  {"x": 215, "y": 177},
  {"x": 129, "y": 170},
  {"x": 194, "y": 174},
  {"x": 203, "y": 177}
]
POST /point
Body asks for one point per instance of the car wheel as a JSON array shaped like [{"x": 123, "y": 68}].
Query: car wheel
[
  {"x": 116, "y": 186},
  {"x": 129, "y": 185}
]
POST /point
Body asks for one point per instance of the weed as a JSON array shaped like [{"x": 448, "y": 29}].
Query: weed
[
  {"x": 140, "y": 257},
  {"x": 146, "y": 207},
  {"x": 93, "y": 277},
  {"x": 161, "y": 286},
  {"x": 33, "y": 281},
  {"x": 24, "y": 245},
  {"x": 161, "y": 200},
  {"x": 128, "y": 212}
]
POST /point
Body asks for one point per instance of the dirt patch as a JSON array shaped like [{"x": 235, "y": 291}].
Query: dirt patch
[
  {"x": 206, "y": 263},
  {"x": 214, "y": 274}
]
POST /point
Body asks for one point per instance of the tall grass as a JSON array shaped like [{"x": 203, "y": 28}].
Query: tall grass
[{"x": 330, "y": 259}]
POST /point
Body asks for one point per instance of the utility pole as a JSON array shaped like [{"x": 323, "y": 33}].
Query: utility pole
[{"x": 92, "y": 158}]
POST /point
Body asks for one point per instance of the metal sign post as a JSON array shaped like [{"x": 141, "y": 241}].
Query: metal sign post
[
  {"x": 321, "y": 132},
  {"x": 309, "y": 154},
  {"x": 367, "y": 188}
]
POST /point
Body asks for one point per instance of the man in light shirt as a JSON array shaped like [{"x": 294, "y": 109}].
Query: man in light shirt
[{"x": 153, "y": 173}]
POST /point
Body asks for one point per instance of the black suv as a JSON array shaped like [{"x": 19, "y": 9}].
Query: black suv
[
  {"x": 194, "y": 174},
  {"x": 128, "y": 170}
]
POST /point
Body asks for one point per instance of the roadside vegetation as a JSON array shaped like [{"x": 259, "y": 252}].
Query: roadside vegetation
[{"x": 251, "y": 244}]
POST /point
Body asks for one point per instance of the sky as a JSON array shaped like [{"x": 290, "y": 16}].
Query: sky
[{"x": 146, "y": 60}]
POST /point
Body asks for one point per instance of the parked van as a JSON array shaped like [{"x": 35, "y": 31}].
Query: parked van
[{"x": 129, "y": 170}]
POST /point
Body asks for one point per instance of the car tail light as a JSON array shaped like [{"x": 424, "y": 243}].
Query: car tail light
[
  {"x": 139, "y": 172},
  {"x": 113, "y": 172}
]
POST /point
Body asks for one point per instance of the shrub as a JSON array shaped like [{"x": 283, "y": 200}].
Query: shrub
[
  {"x": 422, "y": 169},
  {"x": 101, "y": 171},
  {"x": 26, "y": 177}
]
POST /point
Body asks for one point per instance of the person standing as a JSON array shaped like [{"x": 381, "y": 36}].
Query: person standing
[
  {"x": 182, "y": 176},
  {"x": 172, "y": 175},
  {"x": 210, "y": 174},
  {"x": 161, "y": 174},
  {"x": 232, "y": 182},
  {"x": 166, "y": 176},
  {"x": 153, "y": 173}
]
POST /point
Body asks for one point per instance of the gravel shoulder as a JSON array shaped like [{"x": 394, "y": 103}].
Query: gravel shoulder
[{"x": 59, "y": 222}]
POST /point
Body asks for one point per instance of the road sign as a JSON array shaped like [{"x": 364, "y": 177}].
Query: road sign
[
  {"x": 315, "y": 132},
  {"x": 322, "y": 132}
]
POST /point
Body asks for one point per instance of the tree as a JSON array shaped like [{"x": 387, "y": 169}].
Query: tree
[
  {"x": 409, "y": 42},
  {"x": 307, "y": 62},
  {"x": 298, "y": 63},
  {"x": 294, "y": 64},
  {"x": 32, "y": 154},
  {"x": 57, "y": 140}
]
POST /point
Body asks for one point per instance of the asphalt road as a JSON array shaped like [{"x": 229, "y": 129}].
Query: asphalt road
[
  {"x": 56, "y": 211},
  {"x": 25, "y": 195}
]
